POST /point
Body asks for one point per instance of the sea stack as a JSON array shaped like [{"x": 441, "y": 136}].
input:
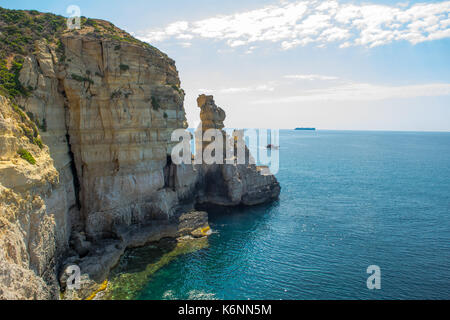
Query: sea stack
[{"x": 232, "y": 184}]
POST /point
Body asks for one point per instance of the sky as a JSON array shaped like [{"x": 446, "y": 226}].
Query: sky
[{"x": 332, "y": 64}]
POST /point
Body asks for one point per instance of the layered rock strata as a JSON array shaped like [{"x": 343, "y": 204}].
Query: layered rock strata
[
  {"x": 34, "y": 226},
  {"x": 103, "y": 179}
]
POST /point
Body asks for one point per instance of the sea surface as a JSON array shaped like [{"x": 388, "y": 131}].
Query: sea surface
[{"x": 349, "y": 200}]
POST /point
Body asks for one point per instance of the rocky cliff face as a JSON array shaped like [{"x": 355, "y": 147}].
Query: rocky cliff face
[
  {"x": 97, "y": 122},
  {"x": 110, "y": 109},
  {"x": 34, "y": 226},
  {"x": 119, "y": 126}
]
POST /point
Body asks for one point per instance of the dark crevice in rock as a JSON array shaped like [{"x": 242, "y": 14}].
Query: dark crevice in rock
[
  {"x": 73, "y": 167},
  {"x": 215, "y": 183},
  {"x": 169, "y": 174}
]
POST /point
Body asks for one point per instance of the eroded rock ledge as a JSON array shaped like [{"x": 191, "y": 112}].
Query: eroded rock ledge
[{"x": 103, "y": 180}]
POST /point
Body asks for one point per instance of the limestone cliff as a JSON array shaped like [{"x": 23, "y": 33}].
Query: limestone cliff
[
  {"x": 114, "y": 105},
  {"x": 34, "y": 227},
  {"x": 85, "y": 166}
]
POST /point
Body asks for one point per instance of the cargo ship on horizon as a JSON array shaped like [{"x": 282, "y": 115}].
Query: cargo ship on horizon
[{"x": 307, "y": 129}]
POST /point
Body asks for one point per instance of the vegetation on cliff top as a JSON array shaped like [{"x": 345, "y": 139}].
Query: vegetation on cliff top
[
  {"x": 19, "y": 29},
  {"x": 105, "y": 29}
]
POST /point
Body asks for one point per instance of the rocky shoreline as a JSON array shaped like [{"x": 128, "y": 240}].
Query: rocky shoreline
[{"x": 105, "y": 254}]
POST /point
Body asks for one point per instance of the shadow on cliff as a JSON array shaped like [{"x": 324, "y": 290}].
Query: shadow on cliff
[
  {"x": 240, "y": 226},
  {"x": 217, "y": 212},
  {"x": 137, "y": 260}
]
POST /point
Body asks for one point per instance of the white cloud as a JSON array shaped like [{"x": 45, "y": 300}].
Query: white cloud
[
  {"x": 250, "y": 50},
  {"x": 363, "y": 92},
  {"x": 310, "y": 77},
  {"x": 233, "y": 90},
  {"x": 301, "y": 23},
  {"x": 331, "y": 88},
  {"x": 248, "y": 89}
]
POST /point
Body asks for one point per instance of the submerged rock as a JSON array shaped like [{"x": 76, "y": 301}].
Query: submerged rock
[
  {"x": 105, "y": 254},
  {"x": 136, "y": 268}
]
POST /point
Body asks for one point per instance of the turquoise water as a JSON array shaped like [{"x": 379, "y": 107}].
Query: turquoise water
[{"x": 349, "y": 200}]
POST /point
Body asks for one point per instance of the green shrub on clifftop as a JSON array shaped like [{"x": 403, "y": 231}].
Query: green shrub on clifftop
[
  {"x": 29, "y": 128},
  {"x": 9, "y": 78},
  {"x": 38, "y": 142},
  {"x": 19, "y": 29},
  {"x": 24, "y": 154}
]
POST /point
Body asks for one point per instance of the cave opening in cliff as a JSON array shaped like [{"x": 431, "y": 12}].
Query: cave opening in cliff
[{"x": 169, "y": 173}]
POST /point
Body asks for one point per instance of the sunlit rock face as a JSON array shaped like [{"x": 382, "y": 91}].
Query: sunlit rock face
[
  {"x": 121, "y": 113},
  {"x": 48, "y": 108},
  {"x": 105, "y": 110},
  {"x": 109, "y": 111},
  {"x": 34, "y": 225},
  {"x": 102, "y": 109},
  {"x": 212, "y": 116}
]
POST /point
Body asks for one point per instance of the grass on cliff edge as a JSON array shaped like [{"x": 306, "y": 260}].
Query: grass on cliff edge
[
  {"x": 19, "y": 29},
  {"x": 10, "y": 85},
  {"x": 28, "y": 126},
  {"x": 24, "y": 154}
]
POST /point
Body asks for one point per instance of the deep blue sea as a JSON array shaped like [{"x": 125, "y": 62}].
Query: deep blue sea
[{"x": 349, "y": 200}]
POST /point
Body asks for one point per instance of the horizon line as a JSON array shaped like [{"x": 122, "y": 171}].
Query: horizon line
[{"x": 325, "y": 129}]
